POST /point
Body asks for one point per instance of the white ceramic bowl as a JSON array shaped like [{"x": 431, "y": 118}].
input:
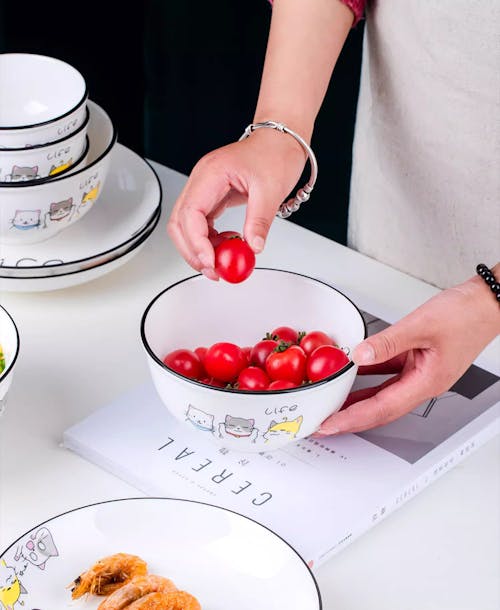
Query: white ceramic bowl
[
  {"x": 129, "y": 206},
  {"x": 30, "y": 213},
  {"x": 41, "y": 99},
  {"x": 197, "y": 312},
  {"x": 47, "y": 160},
  {"x": 9, "y": 340}
]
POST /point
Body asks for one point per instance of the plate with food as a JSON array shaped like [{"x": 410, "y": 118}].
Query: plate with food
[{"x": 154, "y": 554}]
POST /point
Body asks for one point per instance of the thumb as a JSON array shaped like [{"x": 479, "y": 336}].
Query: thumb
[
  {"x": 261, "y": 210},
  {"x": 387, "y": 344}
]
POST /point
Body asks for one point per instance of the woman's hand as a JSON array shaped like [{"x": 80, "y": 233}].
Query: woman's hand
[
  {"x": 427, "y": 351},
  {"x": 304, "y": 43},
  {"x": 260, "y": 171}
]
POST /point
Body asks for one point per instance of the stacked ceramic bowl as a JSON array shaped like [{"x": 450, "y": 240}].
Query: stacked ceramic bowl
[{"x": 59, "y": 156}]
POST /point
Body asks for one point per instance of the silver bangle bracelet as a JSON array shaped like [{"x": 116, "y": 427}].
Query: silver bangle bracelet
[{"x": 303, "y": 194}]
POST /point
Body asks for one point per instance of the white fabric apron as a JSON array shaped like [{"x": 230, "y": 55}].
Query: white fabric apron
[{"x": 425, "y": 186}]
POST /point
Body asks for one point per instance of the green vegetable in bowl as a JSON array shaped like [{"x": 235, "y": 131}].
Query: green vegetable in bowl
[{"x": 2, "y": 360}]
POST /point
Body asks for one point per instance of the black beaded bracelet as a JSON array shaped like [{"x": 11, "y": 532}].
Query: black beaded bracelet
[{"x": 490, "y": 279}]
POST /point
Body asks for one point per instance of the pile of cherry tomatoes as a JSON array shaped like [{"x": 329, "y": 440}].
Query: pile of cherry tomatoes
[{"x": 284, "y": 359}]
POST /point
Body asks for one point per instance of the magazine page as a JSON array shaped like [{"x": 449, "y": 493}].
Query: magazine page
[{"x": 317, "y": 494}]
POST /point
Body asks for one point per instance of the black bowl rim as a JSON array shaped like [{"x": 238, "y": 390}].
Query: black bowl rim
[
  {"x": 63, "y": 176},
  {"x": 247, "y": 392},
  {"x": 175, "y": 499},
  {"x": 156, "y": 211},
  {"x": 83, "y": 99},
  {"x": 84, "y": 124},
  {"x": 10, "y": 367}
]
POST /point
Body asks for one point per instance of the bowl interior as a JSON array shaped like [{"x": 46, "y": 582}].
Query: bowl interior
[
  {"x": 35, "y": 89},
  {"x": 100, "y": 134},
  {"x": 8, "y": 340},
  {"x": 198, "y": 312}
]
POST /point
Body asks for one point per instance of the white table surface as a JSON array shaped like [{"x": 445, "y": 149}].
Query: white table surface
[{"x": 80, "y": 348}]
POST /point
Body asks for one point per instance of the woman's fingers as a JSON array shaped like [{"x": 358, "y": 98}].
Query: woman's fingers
[
  {"x": 188, "y": 226},
  {"x": 261, "y": 210},
  {"x": 364, "y": 393},
  {"x": 175, "y": 232},
  {"x": 394, "y": 398},
  {"x": 196, "y": 234},
  {"x": 392, "y": 366},
  {"x": 391, "y": 342}
]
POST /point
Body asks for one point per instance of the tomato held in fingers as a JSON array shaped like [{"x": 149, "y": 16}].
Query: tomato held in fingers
[
  {"x": 224, "y": 361},
  {"x": 260, "y": 352},
  {"x": 185, "y": 362},
  {"x": 218, "y": 238},
  {"x": 313, "y": 339},
  {"x": 253, "y": 378},
  {"x": 280, "y": 384},
  {"x": 234, "y": 260},
  {"x": 287, "y": 364},
  {"x": 325, "y": 361}
]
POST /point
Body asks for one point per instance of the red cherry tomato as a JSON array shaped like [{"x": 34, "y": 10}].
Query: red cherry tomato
[
  {"x": 185, "y": 362},
  {"x": 253, "y": 378},
  {"x": 285, "y": 333},
  {"x": 220, "y": 237},
  {"x": 201, "y": 352},
  {"x": 224, "y": 361},
  {"x": 280, "y": 384},
  {"x": 287, "y": 365},
  {"x": 234, "y": 260},
  {"x": 260, "y": 352},
  {"x": 213, "y": 382},
  {"x": 325, "y": 361},
  {"x": 313, "y": 339},
  {"x": 247, "y": 351}
]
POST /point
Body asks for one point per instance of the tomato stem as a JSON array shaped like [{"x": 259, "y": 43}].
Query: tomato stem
[
  {"x": 282, "y": 346},
  {"x": 270, "y": 337}
]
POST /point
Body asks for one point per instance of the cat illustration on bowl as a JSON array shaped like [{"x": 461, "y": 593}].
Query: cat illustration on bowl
[
  {"x": 286, "y": 428},
  {"x": 26, "y": 219},
  {"x": 199, "y": 419},
  {"x": 22, "y": 174},
  {"x": 238, "y": 427}
]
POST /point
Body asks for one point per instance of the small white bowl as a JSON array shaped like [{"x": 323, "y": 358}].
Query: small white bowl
[
  {"x": 30, "y": 213},
  {"x": 9, "y": 340},
  {"x": 197, "y": 312},
  {"x": 44, "y": 161},
  {"x": 41, "y": 99}
]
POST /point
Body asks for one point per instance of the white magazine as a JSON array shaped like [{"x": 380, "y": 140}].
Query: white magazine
[{"x": 319, "y": 495}]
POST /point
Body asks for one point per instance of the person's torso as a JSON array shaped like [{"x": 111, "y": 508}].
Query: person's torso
[{"x": 425, "y": 187}]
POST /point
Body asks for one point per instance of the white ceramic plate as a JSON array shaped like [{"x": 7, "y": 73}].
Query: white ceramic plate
[
  {"x": 9, "y": 341},
  {"x": 227, "y": 561},
  {"x": 94, "y": 269},
  {"x": 128, "y": 205}
]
